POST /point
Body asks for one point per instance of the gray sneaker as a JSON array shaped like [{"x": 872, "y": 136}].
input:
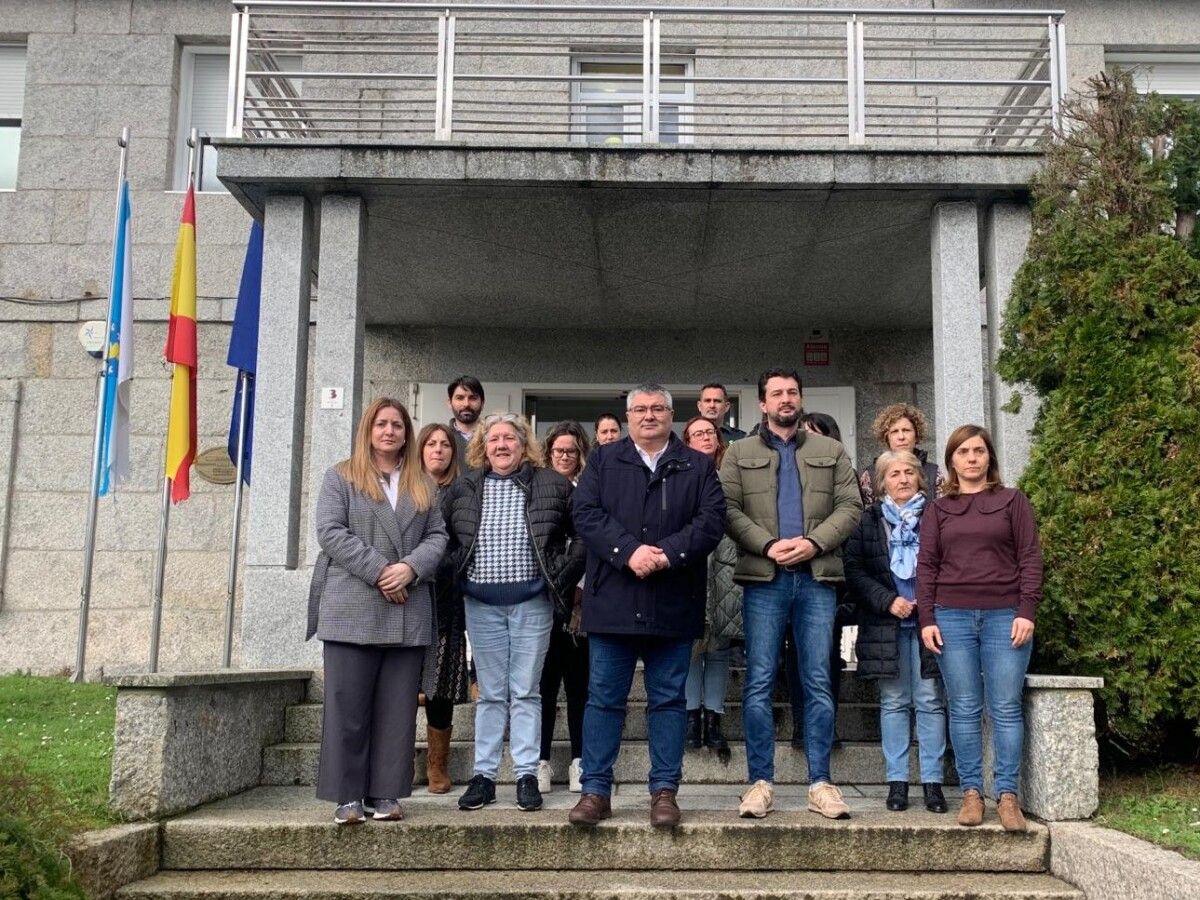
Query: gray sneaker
[
  {"x": 388, "y": 811},
  {"x": 350, "y": 813}
]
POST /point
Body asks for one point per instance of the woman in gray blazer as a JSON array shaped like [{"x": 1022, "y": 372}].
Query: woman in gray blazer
[{"x": 382, "y": 537}]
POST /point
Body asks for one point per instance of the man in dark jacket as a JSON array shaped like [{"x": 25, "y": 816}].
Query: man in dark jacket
[{"x": 649, "y": 511}]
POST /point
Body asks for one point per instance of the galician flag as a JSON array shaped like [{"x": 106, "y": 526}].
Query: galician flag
[
  {"x": 118, "y": 362},
  {"x": 181, "y": 350}
]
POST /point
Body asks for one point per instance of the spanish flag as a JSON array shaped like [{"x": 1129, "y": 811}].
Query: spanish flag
[{"x": 181, "y": 350}]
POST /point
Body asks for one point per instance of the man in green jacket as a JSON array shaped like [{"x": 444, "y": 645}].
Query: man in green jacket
[{"x": 792, "y": 500}]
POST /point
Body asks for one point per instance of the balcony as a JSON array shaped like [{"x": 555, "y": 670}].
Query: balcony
[{"x": 718, "y": 78}]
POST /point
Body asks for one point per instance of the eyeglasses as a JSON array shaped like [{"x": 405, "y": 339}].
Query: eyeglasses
[
  {"x": 658, "y": 409},
  {"x": 499, "y": 417},
  {"x": 707, "y": 433},
  {"x": 561, "y": 453}
]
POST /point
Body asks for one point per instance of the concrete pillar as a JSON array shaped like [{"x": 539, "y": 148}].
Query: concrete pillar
[
  {"x": 273, "y": 590},
  {"x": 338, "y": 358},
  {"x": 1006, "y": 236},
  {"x": 957, "y": 325}
]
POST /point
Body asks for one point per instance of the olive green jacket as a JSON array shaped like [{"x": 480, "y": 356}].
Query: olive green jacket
[{"x": 829, "y": 487}]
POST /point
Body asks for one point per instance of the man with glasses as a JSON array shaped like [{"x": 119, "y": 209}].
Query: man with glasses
[{"x": 649, "y": 511}]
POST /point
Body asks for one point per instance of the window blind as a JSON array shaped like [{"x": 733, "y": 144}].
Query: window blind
[{"x": 12, "y": 81}]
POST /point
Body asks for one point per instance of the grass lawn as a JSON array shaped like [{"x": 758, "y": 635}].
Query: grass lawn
[
  {"x": 62, "y": 732},
  {"x": 1160, "y": 804}
]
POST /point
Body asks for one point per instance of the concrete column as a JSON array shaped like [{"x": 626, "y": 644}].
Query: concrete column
[
  {"x": 957, "y": 326},
  {"x": 338, "y": 359},
  {"x": 273, "y": 591},
  {"x": 1007, "y": 234}
]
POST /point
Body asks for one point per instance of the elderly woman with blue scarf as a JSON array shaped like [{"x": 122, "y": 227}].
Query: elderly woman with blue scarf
[{"x": 881, "y": 576}]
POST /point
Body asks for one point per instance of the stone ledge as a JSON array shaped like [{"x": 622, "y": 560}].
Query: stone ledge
[
  {"x": 1110, "y": 865},
  {"x": 160, "y": 680},
  {"x": 1063, "y": 682},
  {"x": 107, "y": 860}
]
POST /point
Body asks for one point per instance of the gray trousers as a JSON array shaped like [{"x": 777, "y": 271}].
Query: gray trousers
[{"x": 369, "y": 727}]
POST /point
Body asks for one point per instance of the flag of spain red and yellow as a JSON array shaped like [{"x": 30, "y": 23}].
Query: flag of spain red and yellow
[{"x": 181, "y": 351}]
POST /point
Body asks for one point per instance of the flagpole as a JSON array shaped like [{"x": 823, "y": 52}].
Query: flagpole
[
  {"x": 164, "y": 513},
  {"x": 231, "y": 588},
  {"x": 89, "y": 541}
]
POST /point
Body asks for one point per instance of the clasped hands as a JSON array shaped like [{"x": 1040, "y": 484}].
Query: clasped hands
[
  {"x": 792, "y": 551},
  {"x": 648, "y": 559},
  {"x": 394, "y": 581}
]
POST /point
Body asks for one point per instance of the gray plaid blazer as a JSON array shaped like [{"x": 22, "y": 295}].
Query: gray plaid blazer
[{"x": 358, "y": 537}]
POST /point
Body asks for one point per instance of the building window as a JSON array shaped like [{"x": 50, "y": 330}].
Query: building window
[
  {"x": 610, "y": 112},
  {"x": 203, "y": 103},
  {"x": 1170, "y": 74},
  {"x": 12, "y": 105}
]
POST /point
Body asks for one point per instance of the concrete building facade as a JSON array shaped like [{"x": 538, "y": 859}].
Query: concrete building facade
[{"x": 547, "y": 267}]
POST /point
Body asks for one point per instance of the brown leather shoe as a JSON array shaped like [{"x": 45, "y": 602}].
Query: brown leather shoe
[
  {"x": 664, "y": 811},
  {"x": 1010, "y": 813},
  {"x": 971, "y": 811},
  {"x": 438, "y": 760},
  {"x": 591, "y": 809}
]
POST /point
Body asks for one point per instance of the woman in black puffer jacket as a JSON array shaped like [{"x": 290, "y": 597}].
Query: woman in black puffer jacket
[{"x": 880, "y": 563}]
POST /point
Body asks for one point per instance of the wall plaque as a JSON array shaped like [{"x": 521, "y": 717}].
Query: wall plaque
[{"x": 213, "y": 466}]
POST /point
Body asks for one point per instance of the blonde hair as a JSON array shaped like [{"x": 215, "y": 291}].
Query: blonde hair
[
  {"x": 889, "y": 458},
  {"x": 360, "y": 471},
  {"x": 531, "y": 452},
  {"x": 890, "y": 415}
]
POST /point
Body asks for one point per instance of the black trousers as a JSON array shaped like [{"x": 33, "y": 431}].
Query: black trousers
[
  {"x": 567, "y": 665},
  {"x": 369, "y": 727},
  {"x": 795, "y": 685},
  {"x": 439, "y": 713}
]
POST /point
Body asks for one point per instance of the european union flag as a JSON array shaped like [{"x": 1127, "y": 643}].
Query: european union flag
[{"x": 243, "y": 345}]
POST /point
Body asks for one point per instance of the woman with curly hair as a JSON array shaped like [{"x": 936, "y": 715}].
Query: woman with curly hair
[{"x": 898, "y": 427}]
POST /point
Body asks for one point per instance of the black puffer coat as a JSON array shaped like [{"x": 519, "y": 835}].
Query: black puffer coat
[
  {"x": 547, "y": 516},
  {"x": 871, "y": 585}
]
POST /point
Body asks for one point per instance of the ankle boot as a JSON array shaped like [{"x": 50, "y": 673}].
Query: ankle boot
[
  {"x": 713, "y": 738},
  {"x": 897, "y": 797},
  {"x": 695, "y": 730},
  {"x": 437, "y": 762}
]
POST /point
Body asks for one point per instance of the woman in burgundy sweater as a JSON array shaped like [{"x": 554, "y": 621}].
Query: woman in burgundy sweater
[{"x": 979, "y": 581}]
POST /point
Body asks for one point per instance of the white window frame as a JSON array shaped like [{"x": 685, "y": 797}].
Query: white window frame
[
  {"x": 21, "y": 118},
  {"x": 187, "y": 68},
  {"x": 1144, "y": 63},
  {"x": 631, "y": 100}
]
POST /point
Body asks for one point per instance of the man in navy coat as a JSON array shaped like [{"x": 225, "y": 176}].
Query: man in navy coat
[{"x": 649, "y": 511}]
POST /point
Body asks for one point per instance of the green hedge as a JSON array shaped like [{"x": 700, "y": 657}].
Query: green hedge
[
  {"x": 34, "y": 828},
  {"x": 1104, "y": 322}
]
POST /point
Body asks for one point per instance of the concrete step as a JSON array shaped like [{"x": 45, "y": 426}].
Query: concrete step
[
  {"x": 855, "y": 722},
  {"x": 853, "y": 689},
  {"x": 852, "y": 763},
  {"x": 276, "y": 828},
  {"x": 599, "y": 885}
]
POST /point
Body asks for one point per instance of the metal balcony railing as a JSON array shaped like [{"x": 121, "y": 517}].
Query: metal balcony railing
[{"x": 607, "y": 74}]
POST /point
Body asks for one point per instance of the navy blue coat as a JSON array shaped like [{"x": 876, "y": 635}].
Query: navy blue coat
[{"x": 619, "y": 505}]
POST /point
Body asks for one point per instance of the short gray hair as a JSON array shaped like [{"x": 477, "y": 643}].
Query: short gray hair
[
  {"x": 648, "y": 387},
  {"x": 889, "y": 458}
]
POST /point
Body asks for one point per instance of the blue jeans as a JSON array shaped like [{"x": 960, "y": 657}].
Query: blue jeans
[
  {"x": 613, "y": 659},
  {"x": 907, "y": 691},
  {"x": 979, "y": 665},
  {"x": 707, "y": 680},
  {"x": 509, "y": 646},
  {"x": 767, "y": 608}
]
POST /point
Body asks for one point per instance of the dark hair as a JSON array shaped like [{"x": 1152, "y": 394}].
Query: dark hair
[
  {"x": 571, "y": 429},
  {"x": 429, "y": 431},
  {"x": 600, "y": 418},
  {"x": 825, "y": 424},
  {"x": 958, "y": 437},
  {"x": 777, "y": 373},
  {"x": 715, "y": 385},
  {"x": 470, "y": 382},
  {"x": 722, "y": 444}
]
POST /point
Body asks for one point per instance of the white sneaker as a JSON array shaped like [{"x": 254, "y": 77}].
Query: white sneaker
[
  {"x": 545, "y": 776},
  {"x": 575, "y": 776}
]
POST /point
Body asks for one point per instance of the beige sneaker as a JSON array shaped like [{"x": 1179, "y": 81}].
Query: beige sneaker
[
  {"x": 826, "y": 799},
  {"x": 757, "y": 801}
]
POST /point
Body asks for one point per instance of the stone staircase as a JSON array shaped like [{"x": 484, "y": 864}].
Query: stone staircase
[{"x": 278, "y": 843}]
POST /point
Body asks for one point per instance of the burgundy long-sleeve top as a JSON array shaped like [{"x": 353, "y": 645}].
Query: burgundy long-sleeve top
[{"x": 979, "y": 551}]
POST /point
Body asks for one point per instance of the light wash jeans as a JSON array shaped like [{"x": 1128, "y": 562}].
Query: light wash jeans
[
  {"x": 908, "y": 691},
  {"x": 707, "y": 681},
  {"x": 509, "y": 646},
  {"x": 809, "y": 606},
  {"x": 979, "y": 665}
]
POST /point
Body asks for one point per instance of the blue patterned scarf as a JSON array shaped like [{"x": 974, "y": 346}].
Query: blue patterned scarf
[{"x": 906, "y": 523}]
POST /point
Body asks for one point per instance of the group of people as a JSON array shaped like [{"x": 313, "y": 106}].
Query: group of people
[{"x": 563, "y": 565}]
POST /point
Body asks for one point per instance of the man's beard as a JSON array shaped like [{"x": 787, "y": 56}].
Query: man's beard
[
  {"x": 785, "y": 420},
  {"x": 466, "y": 415}
]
